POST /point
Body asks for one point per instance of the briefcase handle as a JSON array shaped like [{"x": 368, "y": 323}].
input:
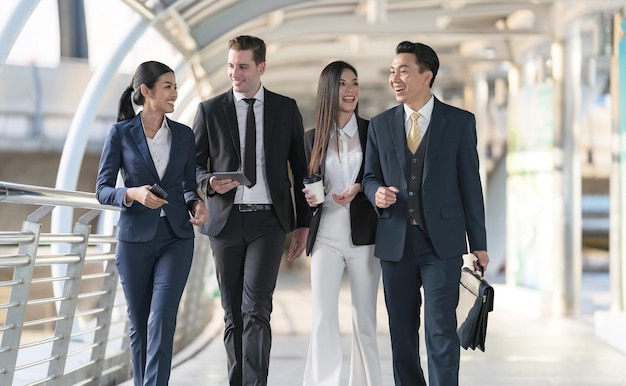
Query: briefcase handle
[{"x": 481, "y": 269}]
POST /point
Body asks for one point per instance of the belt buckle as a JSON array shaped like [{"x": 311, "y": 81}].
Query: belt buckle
[
  {"x": 247, "y": 208},
  {"x": 253, "y": 207}
]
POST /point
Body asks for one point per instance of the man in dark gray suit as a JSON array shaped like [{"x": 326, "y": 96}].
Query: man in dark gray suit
[
  {"x": 254, "y": 130},
  {"x": 421, "y": 174}
]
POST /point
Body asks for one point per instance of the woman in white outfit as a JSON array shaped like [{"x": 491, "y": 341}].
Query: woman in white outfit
[{"x": 343, "y": 237}]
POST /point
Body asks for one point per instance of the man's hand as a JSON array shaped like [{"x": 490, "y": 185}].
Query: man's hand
[
  {"x": 200, "y": 213},
  {"x": 482, "y": 260},
  {"x": 298, "y": 243},
  {"x": 386, "y": 196},
  {"x": 223, "y": 185}
]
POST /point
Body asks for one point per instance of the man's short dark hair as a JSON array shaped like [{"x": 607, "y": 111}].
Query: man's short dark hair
[
  {"x": 425, "y": 57},
  {"x": 247, "y": 42}
]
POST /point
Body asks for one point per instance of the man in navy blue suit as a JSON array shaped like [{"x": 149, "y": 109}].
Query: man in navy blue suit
[{"x": 421, "y": 175}]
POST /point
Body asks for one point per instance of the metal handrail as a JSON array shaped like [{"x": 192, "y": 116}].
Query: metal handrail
[
  {"x": 88, "y": 315},
  {"x": 38, "y": 195}
]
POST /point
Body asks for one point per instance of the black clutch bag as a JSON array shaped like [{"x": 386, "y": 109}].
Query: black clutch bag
[{"x": 475, "y": 303}]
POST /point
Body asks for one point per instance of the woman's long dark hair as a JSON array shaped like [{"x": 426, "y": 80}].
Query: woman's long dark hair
[
  {"x": 327, "y": 110},
  {"x": 146, "y": 73}
]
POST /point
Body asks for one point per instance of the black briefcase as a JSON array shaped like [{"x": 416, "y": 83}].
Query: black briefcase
[{"x": 475, "y": 303}]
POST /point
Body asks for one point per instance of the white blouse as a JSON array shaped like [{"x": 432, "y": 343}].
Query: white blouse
[
  {"x": 343, "y": 159},
  {"x": 159, "y": 147}
]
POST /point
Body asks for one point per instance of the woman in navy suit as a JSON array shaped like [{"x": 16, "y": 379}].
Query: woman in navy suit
[
  {"x": 155, "y": 234},
  {"x": 341, "y": 235}
]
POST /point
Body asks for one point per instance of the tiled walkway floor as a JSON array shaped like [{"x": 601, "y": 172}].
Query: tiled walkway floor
[{"x": 521, "y": 349}]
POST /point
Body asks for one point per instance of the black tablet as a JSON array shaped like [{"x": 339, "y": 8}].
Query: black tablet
[{"x": 237, "y": 176}]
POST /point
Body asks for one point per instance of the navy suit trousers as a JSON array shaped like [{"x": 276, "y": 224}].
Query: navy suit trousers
[
  {"x": 421, "y": 268},
  {"x": 153, "y": 276}
]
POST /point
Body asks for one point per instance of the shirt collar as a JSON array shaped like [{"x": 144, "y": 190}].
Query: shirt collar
[
  {"x": 258, "y": 96},
  {"x": 164, "y": 126},
  {"x": 351, "y": 127},
  {"x": 426, "y": 111}
]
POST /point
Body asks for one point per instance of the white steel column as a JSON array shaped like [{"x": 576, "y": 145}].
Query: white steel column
[
  {"x": 617, "y": 231},
  {"x": 611, "y": 325},
  {"x": 14, "y": 26},
  {"x": 76, "y": 142},
  {"x": 566, "y": 269}
]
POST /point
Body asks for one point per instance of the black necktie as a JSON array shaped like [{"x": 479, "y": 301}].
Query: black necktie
[{"x": 249, "y": 166}]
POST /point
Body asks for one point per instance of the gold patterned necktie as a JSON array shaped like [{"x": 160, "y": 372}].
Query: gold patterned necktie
[{"x": 414, "y": 136}]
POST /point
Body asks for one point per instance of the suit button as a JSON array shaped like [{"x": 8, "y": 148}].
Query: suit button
[
  {"x": 410, "y": 193},
  {"x": 412, "y": 177},
  {"x": 411, "y": 210},
  {"x": 414, "y": 160}
]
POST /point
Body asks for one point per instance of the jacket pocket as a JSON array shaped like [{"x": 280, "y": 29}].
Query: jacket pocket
[{"x": 452, "y": 211}]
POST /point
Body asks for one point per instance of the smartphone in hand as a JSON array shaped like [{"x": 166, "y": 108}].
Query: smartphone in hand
[{"x": 158, "y": 191}]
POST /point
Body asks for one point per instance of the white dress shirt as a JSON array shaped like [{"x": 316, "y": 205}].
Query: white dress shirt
[
  {"x": 159, "y": 147},
  {"x": 343, "y": 159},
  {"x": 259, "y": 193},
  {"x": 426, "y": 112}
]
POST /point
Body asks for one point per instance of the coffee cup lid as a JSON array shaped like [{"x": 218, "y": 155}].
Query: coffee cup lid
[{"x": 312, "y": 178}]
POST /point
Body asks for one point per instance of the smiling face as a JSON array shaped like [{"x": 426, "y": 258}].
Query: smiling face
[
  {"x": 162, "y": 96},
  {"x": 244, "y": 74},
  {"x": 409, "y": 84},
  {"x": 348, "y": 91}
]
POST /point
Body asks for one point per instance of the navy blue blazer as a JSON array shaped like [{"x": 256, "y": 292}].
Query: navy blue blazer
[
  {"x": 126, "y": 149},
  {"x": 362, "y": 215},
  {"x": 217, "y": 150},
  {"x": 452, "y": 197}
]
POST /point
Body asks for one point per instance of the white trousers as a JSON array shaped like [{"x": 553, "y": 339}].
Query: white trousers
[{"x": 332, "y": 253}]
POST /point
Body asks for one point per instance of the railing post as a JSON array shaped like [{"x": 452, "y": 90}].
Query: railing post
[
  {"x": 15, "y": 315},
  {"x": 192, "y": 311},
  {"x": 67, "y": 310},
  {"x": 103, "y": 319}
]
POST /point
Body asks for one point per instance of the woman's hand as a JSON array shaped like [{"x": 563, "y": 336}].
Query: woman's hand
[
  {"x": 143, "y": 195},
  {"x": 200, "y": 213},
  {"x": 348, "y": 194},
  {"x": 311, "y": 199}
]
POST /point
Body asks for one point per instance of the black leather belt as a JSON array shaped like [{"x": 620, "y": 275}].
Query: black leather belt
[{"x": 253, "y": 207}]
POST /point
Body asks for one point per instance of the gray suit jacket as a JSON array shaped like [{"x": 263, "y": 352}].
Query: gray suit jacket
[
  {"x": 217, "y": 149},
  {"x": 452, "y": 196}
]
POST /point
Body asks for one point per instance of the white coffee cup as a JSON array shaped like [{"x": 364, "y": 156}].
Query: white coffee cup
[{"x": 316, "y": 186}]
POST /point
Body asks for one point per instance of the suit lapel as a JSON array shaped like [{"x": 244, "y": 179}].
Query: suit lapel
[
  {"x": 269, "y": 108},
  {"x": 230, "y": 115},
  {"x": 362, "y": 125},
  {"x": 398, "y": 135},
  {"x": 436, "y": 131},
  {"x": 142, "y": 144},
  {"x": 175, "y": 151}
]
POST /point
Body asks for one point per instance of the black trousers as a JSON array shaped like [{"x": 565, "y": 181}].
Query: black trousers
[
  {"x": 247, "y": 256},
  {"x": 421, "y": 268}
]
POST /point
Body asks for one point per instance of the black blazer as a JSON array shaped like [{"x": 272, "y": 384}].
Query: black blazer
[
  {"x": 362, "y": 214},
  {"x": 217, "y": 149}
]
